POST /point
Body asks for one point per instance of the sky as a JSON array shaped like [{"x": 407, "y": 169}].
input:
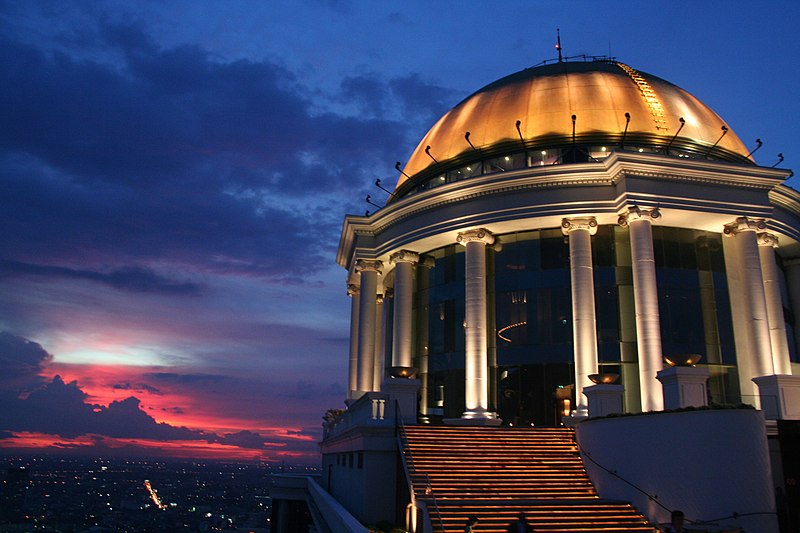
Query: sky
[{"x": 174, "y": 176}]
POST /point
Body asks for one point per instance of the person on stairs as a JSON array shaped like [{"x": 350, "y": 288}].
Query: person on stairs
[
  {"x": 520, "y": 525},
  {"x": 471, "y": 521}
]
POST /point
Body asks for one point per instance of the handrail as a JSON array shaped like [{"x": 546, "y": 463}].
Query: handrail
[{"x": 408, "y": 461}]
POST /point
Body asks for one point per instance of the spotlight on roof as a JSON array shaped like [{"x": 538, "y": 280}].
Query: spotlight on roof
[
  {"x": 683, "y": 123},
  {"x": 466, "y": 136},
  {"x": 780, "y": 160},
  {"x": 519, "y": 132},
  {"x": 574, "y": 118},
  {"x": 378, "y": 184},
  {"x": 724, "y": 132},
  {"x": 400, "y": 170},
  {"x": 370, "y": 202},
  {"x": 625, "y": 132},
  {"x": 428, "y": 151},
  {"x": 754, "y": 150}
]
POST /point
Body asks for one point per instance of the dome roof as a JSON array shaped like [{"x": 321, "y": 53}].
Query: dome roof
[{"x": 543, "y": 99}]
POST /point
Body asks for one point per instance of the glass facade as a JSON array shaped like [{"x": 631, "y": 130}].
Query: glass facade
[{"x": 529, "y": 320}]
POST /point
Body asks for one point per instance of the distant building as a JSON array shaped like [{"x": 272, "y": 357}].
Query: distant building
[{"x": 575, "y": 240}]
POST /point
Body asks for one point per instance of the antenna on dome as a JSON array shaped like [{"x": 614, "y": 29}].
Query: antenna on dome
[
  {"x": 370, "y": 202},
  {"x": 683, "y": 123},
  {"x": 780, "y": 160},
  {"x": 724, "y": 132},
  {"x": 378, "y": 183},
  {"x": 397, "y": 167},
  {"x": 558, "y": 44},
  {"x": 466, "y": 136},
  {"x": 519, "y": 132},
  {"x": 428, "y": 151},
  {"x": 754, "y": 150},
  {"x": 625, "y": 132}
]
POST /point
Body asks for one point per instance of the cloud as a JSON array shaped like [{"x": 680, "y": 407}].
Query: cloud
[
  {"x": 138, "y": 387},
  {"x": 306, "y": 390},
  {"x": 147, "y": 193},
  {"x": 186, "y": 379},
  {"x": 173, "y": 156},
  {"x": 133, "y": 279},
  {"x": 21, "y": 361},
  {"x": 243, "y": 439}
]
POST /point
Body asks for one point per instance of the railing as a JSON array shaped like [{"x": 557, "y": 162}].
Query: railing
[
  {"x": 369, "y": 409},
  {"x": 408, "y": 467},
  {"x": 328, "y": 515}
]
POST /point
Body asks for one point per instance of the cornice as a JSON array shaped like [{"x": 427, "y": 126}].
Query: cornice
[{"x": 609, "y": 172}]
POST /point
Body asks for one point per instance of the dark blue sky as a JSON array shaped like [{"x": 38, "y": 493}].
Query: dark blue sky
[{"x": 173, "y": 178}]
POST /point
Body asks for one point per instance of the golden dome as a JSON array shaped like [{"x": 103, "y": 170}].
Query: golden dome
[{"x": 544, "y": 99}]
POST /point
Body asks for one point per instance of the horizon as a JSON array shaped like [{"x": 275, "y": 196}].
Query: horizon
[{"x": 175, "y": 177}]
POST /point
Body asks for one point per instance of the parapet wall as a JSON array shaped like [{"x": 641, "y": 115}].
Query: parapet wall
[{"x": 710, "y": 464}]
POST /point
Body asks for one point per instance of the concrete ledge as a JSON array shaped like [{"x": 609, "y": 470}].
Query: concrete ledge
[{"x": 708, "y": 463}]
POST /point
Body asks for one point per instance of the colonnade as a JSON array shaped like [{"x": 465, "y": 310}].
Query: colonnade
[{"x": 753, "y": 283}]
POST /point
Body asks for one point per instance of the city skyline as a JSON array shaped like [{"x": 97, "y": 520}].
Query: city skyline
[{"x": 174, "y": 179}]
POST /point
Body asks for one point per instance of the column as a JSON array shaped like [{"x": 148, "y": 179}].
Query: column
[
  {"x": 377, "y": 360},
  {"x": 779, "y": 344},
  {"x": 355, "y": 301},
  {"x": 404, "y": 262},
  {"x": 476, "y": 367},
  {"x": 422, "y": 337},
  {"x": 793, "y": 285},
  {"x": 584, "y": 321},
  {"x": 645, "y": 297},
  {"x": 755, "y": 348},
  {"x": 369, "y": 271}
]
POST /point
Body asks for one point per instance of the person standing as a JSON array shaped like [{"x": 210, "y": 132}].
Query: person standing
[
  {"x": 471, "y": 521},
  {"x": 520, "y": 525}
]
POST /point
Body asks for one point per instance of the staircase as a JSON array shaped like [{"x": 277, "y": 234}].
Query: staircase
[{"x": 495, "y": 473}]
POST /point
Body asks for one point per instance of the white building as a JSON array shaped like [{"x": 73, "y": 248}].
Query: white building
[{"x": 564, "y": 225}]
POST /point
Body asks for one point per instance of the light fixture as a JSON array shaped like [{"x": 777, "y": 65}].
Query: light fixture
[
  {"x": 603, "y": 379},
  {"x": 689, "y": 359},
  {"x": 407, "y": 372}
]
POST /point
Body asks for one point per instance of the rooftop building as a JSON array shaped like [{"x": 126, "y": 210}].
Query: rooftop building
[{"x": 577, "y": 240}]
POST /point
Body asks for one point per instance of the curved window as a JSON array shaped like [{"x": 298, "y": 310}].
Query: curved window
[
  {"x": 529, "y": 319},
  {"x": 543, "y": 156}
]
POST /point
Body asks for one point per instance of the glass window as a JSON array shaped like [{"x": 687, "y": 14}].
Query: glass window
[
  {"x": 506, "y": 162},
  {"x": 555, "y": 249},
  {"x": 467, "y": 171},
  {"x": 540, "y": 158}
]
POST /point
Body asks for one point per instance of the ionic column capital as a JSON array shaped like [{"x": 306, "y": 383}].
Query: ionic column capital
[
  {"x": 571, "y": 224},
  {"x": 767, "y": 239},
  {"x": 638, "y": 213},
  {"x": 353, "y": 289},
  {"x": 404, "y": 256},
  {"x": 475, "y": 235},
  {"x": 742, "y": 224},
  {"x": 368, "y": 265}
]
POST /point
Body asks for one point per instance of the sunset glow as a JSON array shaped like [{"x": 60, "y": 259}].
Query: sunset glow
[{"x": 173, "y": 182}]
